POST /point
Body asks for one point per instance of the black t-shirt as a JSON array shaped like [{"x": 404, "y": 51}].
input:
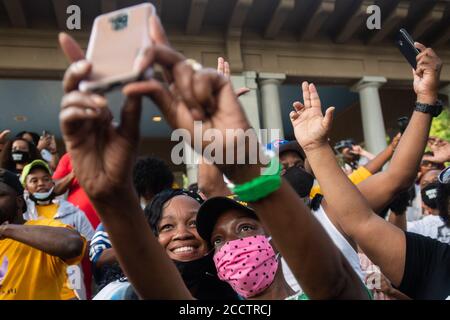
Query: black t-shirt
[{"x": 427, "y": 268}]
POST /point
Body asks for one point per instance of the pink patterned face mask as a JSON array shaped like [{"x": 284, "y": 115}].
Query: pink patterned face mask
[{"x": 248, "y": 265}]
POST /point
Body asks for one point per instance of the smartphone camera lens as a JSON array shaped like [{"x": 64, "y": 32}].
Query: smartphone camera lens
[
  {"x": 119, "y": 22},
  {"x": 400, "y": 42}
]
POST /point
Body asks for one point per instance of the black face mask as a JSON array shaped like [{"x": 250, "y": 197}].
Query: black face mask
[
  {"x": 193, "y": 272},
  {"x": 300, "y": 180},
  {"x": 429, "y": 194},
  {"x": 20, "y": 156}
]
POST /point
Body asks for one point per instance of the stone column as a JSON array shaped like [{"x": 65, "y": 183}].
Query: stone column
[
  {"x": 271, "y": 107},
  {"x": 371, "y": 112}
]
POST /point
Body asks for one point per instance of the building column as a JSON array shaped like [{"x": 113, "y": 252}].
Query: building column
[
  {"x": 372, "y": 115},
  {"x": 271, "y": 107},
  {"x": 249, "y": 100}
]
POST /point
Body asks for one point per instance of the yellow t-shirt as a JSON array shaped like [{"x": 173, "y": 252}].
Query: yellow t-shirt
[
  {"x": 29, "y": 273},
  {"x": 357, "y": 176},
  {"x": 47, "y": 211}
]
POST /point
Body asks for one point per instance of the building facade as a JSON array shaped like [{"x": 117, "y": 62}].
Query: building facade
[{"x": 272, "y": 45}]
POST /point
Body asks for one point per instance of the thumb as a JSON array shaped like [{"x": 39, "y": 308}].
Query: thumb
[
  {"x": 328, "y": 118},
  {"x": 70, "y": 47},
  {"x": 420, "y": 46}
]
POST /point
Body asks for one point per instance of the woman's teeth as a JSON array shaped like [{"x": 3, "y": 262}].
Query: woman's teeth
[{"x": 183, "y": 249}]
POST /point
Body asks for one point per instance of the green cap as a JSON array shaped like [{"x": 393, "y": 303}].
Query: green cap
[{"x": 36, "y": 163}]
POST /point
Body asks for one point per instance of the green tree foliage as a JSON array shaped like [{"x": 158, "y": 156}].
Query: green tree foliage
[{"x": 440, "y": 127}]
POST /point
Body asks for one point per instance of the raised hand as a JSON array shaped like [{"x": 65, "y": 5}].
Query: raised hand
[
  {"x": 311, "y": 128},
  {"x": 356, "y": 149},
  {"x": 395, "y": 141},
  {"x": 195, "y": 94},
  {"x": 44, "y": 142},
  {"x": 223, "y": 68},
  {"x": 440, "y": 148},
  {"x": 426, "y": 75},
  {"x": 102, "y": 154}
]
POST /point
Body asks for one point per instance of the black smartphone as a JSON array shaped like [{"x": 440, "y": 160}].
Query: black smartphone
[
  {"x": 406, "y": 45},
  {"x": 402, "y": 123}
]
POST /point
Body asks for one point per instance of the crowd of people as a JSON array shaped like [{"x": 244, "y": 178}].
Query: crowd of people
[{"x": 317, "y": 222}]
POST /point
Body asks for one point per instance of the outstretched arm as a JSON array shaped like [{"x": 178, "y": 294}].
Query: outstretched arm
[
  {"x": 346, "y": 202},
  {"x": 318, "y": 265},
  {"x": 210, "y": 178},
  {"x": 377, "y": 163},
  {"x": 382, "y": 187},
  {"x": 102, "y": 157},
  {"x": 60, "y": 242}
]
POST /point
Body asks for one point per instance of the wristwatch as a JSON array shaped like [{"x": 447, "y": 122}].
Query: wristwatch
[{"x": 433, "y": 109}]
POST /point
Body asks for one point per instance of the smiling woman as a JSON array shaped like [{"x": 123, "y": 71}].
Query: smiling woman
[{"x": 172, "y": 217}]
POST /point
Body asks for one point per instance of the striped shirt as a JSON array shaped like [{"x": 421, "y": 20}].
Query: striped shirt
[{"x": 100, "y": 242}]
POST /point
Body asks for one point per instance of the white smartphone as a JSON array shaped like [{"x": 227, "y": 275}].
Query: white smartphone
[{"x": 117, "y": 38}]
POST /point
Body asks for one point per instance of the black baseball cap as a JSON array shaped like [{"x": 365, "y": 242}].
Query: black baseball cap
[
  {"x": 211, "y": 210},
  {"x": 281, "y": 146},
  {"x": 12, "y": 180},
  {"x": 347, "y": 143}
]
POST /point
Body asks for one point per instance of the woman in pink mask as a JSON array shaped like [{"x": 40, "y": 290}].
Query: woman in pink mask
[{"x": 244, "y": 255}]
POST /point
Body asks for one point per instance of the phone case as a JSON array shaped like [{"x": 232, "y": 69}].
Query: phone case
[
  {"x": 116, "y": 40},
  {"x": 406, "y": 45}
]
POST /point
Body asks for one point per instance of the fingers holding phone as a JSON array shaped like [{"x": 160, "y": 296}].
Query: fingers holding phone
[
  {"x": 123, "y": 33},
  {"x": 44, "y": 141},
  {"x": 426, "y": 66},
  {"x": 427, "y": 76},
  {"x": 407, "y": 47}
]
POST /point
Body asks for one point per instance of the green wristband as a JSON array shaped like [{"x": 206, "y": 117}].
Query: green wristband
[{"x": 262, "y": 186}]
